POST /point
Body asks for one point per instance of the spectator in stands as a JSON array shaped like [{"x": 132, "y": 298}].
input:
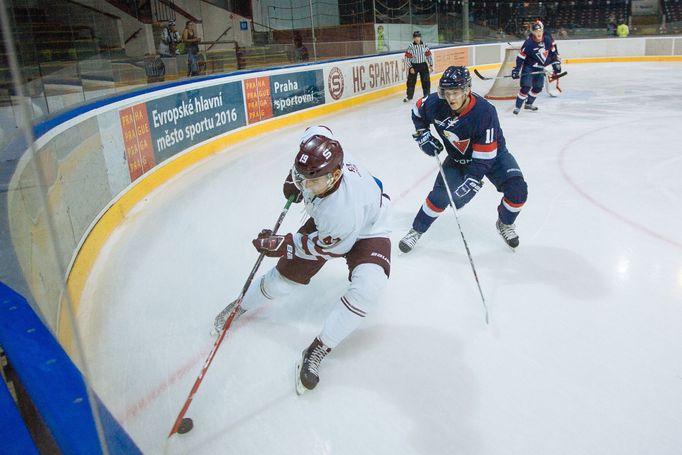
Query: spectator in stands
[
  {"x": 170, "y": 38},
  {"x": 191, "y": 41},
  {"x": 563, "y": 33},
  {"x": 622, "y": 30},
  {"x": 300, "y": 51},
  {"x": 611, "y": 25}
]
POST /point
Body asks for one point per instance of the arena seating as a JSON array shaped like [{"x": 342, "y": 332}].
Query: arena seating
[
  {"x": 571, "y": 14},
  {"x": 672, "y": 10},
  {"x": 589, "y": 13}
]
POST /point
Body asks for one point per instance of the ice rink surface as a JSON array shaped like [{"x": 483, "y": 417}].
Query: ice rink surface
[{"x": 583, "y": 354}]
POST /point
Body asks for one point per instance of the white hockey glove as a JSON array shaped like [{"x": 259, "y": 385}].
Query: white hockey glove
[{"x": 470, "y": 184}]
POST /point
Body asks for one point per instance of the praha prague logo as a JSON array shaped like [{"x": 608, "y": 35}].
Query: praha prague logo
[{"x": 335, "y": 83}]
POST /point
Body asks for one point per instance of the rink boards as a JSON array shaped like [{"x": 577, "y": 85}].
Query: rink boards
[{"x": 102, "y": 158}]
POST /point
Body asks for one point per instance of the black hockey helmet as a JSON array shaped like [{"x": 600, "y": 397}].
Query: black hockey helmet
[
  {"x": 416, "y": 33},
  {"x": 454, "y": 77}
]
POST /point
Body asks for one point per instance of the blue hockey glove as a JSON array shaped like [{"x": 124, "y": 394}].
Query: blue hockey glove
[
  {"x": 557, "y": 67},
  {"x": 515, "y": 73},
  {"x": 470, "y": 184},
  {"x": 427, "y": 143}
]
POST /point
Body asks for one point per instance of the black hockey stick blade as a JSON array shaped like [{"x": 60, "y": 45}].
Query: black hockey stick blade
[
  {"x": 498, "y": 77},
  {"x": 481, "y": 76},
  {"x": 556, "y": 76}
]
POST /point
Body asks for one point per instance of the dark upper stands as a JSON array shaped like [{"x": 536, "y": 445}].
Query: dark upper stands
[
  {"x": 672, "y": 10},
  {"x": 569, "y": 14},
  {"x": 589, "y": 13}
]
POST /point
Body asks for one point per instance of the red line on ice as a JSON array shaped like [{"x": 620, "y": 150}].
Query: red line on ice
[
  {"x": 156, "y": 392},
  {"x": 596, "y": 203},
  {"x": 153, "y": 394}
]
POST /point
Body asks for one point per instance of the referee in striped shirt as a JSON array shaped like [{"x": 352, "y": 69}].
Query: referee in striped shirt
[{"x": 419, "y": 60}]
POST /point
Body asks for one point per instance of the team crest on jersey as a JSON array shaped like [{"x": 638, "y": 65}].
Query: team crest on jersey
[
  {"x": 459, "y": 144},
  {"x": 353, "y": 168},
  {"x": 542, "y": 53},
  {"x": 447, "y": 123},
  {"x": 329, "y": 242}
]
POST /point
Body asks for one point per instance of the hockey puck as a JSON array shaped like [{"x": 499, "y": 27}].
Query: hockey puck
[{"x": 185, "y": 426}]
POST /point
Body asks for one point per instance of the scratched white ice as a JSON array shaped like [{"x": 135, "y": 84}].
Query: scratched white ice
[{"x": 583, "y": 354}]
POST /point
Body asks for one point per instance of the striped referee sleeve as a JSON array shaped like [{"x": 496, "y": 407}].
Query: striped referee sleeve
[{"x": 418, "y": 53}]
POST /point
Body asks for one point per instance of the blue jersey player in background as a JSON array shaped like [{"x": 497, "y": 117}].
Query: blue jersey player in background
[
  {"x": 470, "y": 129},
  {"x": 538, "y": 55}
]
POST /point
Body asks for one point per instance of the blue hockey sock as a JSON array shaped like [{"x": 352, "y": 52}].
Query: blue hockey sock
[
  {"x": 519, "y": 101},
  {"x": 426, "y": 216},
  {"x": 508, "y": 211}
]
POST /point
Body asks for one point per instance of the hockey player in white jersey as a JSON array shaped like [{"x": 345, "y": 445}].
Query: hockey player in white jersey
[{"x": 348, "y": 218}]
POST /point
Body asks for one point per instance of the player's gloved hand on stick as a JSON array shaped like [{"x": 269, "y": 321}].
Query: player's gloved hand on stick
[
  {"x": 470, "y": 184},
  {"x": 557, "y": 67},
  {"x": 515, "y": 73},
  {"x": 290, "y": 188},
  {"x": 274, "y": 246},
  {"x": 427, "y": 143}
]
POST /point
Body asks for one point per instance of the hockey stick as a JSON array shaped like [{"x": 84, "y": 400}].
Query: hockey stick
[
  {"x": 485, "y": 78},
  {"x": 221, "y": 336},
  {"x": 549, "y": 92},
  {"x": 464, "y": 240}
]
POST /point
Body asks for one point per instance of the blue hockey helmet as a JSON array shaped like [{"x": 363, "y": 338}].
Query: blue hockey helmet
[{"x": 454, "y": 77}]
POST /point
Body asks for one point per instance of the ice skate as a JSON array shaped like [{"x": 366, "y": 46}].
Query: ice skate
[
  {"x": 408, "y": 242},
  {"x": 220, "y": 320},
  {"x": 516, "y": 111},
  {"x": 530, "y": 107},
  {"x": 508, "y": 233},
  {"x": 308, "y": 367},
  {"x": 406, "y": 100}
]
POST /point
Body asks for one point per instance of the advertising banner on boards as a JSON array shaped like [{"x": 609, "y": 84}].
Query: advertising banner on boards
[
  {"x": 137, "y": 140},
  {"x": 457, "y": 56},
  {"x": 179, "y": 121},
  {"x": 296, "y": 91},
  {"x": 258, "y": 99},
  {"x": 346, "y": 79}
]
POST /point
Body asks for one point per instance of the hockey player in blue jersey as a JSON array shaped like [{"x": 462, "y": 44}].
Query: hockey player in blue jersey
[
  {"x": 538, "y": 55},
  {"x": 470, "y": 129}
]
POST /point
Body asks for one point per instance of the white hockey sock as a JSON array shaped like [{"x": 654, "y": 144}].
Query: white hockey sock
[
  {"x": 269, "y": 287},
  {"x": 367, "y": 284}
]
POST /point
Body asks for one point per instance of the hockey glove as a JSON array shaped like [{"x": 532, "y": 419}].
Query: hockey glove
[
  {"x": 515, "y": 73},
  {"x": 274, "y": 246},
  {"x": 557, "y": 67},
  {"x": 470, "y": 184},
  {"x": 290, "y": 188},
  {"x": 427, "y": 143}
]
